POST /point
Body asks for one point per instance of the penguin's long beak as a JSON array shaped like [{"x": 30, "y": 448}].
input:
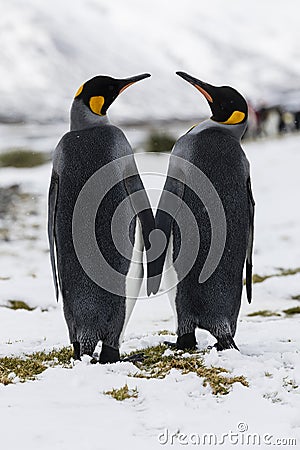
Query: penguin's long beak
[
  {"x": 205, "y": 88},
  {"x": 126, "y": 82}
]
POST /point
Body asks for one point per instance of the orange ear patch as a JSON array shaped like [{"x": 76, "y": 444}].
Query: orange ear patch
[
  {"x": 96, "y": 104},
  {"x": 235, "y": 118},
  {"x": 79, "y": 91}
]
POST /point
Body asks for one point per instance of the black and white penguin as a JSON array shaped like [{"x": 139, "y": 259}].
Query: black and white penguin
[
  {"x": 212, "y": 146},
  {"x": 97, "y": 311}
]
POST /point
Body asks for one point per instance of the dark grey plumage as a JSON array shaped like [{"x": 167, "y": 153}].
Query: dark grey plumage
[
  {"x": 213, "y": 305},
  {"x": 92, "y": 313}
]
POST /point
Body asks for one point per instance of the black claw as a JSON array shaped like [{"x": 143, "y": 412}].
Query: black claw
[{"x": 138, "y": 357}]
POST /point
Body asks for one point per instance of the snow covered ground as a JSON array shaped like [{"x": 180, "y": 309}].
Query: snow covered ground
[
  {"x": 49, "y": 48},
  {"x": 66, "y": 409}
]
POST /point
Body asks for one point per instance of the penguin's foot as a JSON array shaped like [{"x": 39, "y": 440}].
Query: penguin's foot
[
  {"x": 225, "y": 342},
  {"x": 186, "y": 342},
  {"x": 109, "y": 354},
  {"x": 104, "y": 354},
  {"x": 137, "y": 357},
  {"x": 76, "y": 351}
]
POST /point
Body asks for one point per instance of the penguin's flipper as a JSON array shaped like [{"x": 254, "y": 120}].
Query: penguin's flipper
[
  {"x": 142, "y": 206},
  {"x": 52, "y": 200},
  {"x": 164, "y": 223},
  {"x": 250, "y": 242}
]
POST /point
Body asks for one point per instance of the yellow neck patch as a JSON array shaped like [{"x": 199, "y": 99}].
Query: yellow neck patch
[
  {"x": 235, "y": 118},
  {"x": 192, "y": 127},
  {"x": 79, "y": 91},
  {"x": 96, "y": 104}
]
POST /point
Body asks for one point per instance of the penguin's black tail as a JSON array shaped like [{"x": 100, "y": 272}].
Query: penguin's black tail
[{"x": 225, "y": 342}]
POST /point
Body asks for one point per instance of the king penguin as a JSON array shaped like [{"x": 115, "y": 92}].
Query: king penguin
[
  {"x": 213, "y": 146},
  {"x": 94, "y": 314}
]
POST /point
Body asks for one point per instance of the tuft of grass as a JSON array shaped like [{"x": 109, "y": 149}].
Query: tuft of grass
[
  {"x": 273, "y": 396},
  {"x": 295, "y": 297},
  {"x": 19, "y": 304},
  {"x": 292, "y": 311},
  {"x": 282, "y": 273},
  {"x": 289, "y": 383},
  {"x": 155, "y": 365},
  {"x": 30, "y": 366},
  {"x": 60, "y": 357},
  {"x": 259, "y": 278},
  {"x": 268, "y": 375},
  {"x": 264, "y": 313},
  {"x": 287, "y": 272},
  {"x": 24, "y": 369},
  {"x": 123, "y": 393},
  {"x": 165, "y": 333},
  {"x": 9, "y": 342},
  {"x": 19, "y": 158},
  {"x": 159, "y": 142}
]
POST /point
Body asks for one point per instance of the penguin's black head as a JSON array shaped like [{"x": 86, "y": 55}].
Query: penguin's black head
[
  {"x": 99, "y": 92},
  {"x": 227, "y": 105}
]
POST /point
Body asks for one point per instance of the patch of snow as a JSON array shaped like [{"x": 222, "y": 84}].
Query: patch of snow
[
  {"x": 49, "y": 49},
  {"x": 67, "y": 408}
]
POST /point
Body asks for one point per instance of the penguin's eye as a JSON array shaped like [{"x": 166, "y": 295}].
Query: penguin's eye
[{"x": 110, "y": 87}]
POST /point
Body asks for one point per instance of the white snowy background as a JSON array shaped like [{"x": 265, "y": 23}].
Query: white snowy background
[{"x": 47, "y": 50}]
